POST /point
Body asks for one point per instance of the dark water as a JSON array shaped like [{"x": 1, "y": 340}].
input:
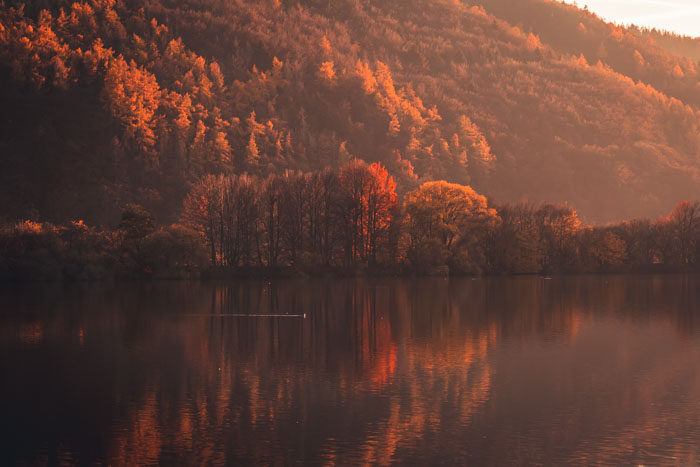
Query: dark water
[{"x": 579, "y": 370}]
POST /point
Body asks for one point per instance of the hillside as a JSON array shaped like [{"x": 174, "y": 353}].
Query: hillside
[{"x": 108, "y": 102}]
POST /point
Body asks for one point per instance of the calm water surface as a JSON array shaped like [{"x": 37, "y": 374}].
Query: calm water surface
[{"x": 577, "y": 370}]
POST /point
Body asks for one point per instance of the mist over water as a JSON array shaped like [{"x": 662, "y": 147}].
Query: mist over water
[{"x": 574, "y": 370}]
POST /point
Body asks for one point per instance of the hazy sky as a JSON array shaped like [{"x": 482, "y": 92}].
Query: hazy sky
[{"x": 681, "y": 16}]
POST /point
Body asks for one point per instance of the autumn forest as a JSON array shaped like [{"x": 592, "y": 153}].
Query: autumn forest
[{"x": 181, "y": 138}]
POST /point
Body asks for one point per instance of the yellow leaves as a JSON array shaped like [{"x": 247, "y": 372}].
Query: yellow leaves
[
  {"x": 414, "y": 144},
  {"x": 474, "y": 140},
  {"x": 277, "y": 66},
  {"x": 260, "y": 87},
  {"x": 617, "y": 33},
  {"x": 45, "y": 19},
  {"x": 325, "y": 45},
  {"x": 199, "y": 64},
  {"x": 175, "y": 48},
  {"x": 445, "y": 208},
  {"x": 184, "y": 113},
  {"x": 369, "y": 82},
  {"x": 403, "y": 108},
  {"x": 28, "y": 226},
  {"x": 385, "y": 80},
  {"x": 210, "y": 147},
  {"x": 96, "y": 57},
  {"x": 433, "y": 114},
  {"x": 199, "y": 133},
  {"x": 606, "y": 248},
  {"x": 533, "y": 42},
  {"x": 327, "y": 73},
  {"x": 36, "y": 55},
  {"x": 217, "y": 76},
  {"x": 478, "y": 11},
  {"x": 222, "y": 147},
  {"x": 394, "y": 125},
  {"x": 158, "y": 30},
  {"x": 561, "y": 220},
  {"x": 26, "y": 43},
  {"x": 254, "y": 127},
  {"x": 132, "y": 95},
  {"x": 82, "y": 16},
  {"x": 446, "y": 221},
  {"x": 402, "y": 166},
  {"x": 252, "y": 152},
  {"x": 677, "y": 72}
]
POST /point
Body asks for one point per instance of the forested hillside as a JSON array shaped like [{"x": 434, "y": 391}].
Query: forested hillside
[{"x": 109, "y": 102}]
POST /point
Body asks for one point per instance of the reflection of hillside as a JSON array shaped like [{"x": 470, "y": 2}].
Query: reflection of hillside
[{"x": 569, "y": 368}]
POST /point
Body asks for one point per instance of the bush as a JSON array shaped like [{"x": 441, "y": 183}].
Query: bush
[
  {"x": 173, "y": 252},
  {"x": 30, "y": 250}
]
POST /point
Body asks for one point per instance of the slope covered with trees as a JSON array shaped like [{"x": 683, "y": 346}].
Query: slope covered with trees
[{"x": 109, "y": 102}]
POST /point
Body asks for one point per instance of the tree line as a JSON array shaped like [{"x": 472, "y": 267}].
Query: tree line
[{"x": 346, "y": 222}]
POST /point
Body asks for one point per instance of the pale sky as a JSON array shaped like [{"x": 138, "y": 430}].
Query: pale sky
[{"x": 681, "y": 16}]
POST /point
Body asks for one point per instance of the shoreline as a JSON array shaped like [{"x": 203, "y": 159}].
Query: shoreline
[{"x": 256, "y": 274}]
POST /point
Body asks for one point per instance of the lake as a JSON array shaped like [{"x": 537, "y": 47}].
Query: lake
[{"x": 492, "y": 371}]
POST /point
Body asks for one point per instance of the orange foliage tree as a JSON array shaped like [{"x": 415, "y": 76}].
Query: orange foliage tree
[
  {"x": 444, "y": 223},
  {"x": 368, "y": 195}
]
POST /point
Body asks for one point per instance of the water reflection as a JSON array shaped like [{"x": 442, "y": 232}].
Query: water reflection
[{"x": 503, "y": 370}]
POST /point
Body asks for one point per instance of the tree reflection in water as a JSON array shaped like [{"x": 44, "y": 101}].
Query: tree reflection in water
[{"x": 585, "y": 370}]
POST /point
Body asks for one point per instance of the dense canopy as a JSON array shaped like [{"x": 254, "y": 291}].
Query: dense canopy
[{"x": 108, "y": 102}]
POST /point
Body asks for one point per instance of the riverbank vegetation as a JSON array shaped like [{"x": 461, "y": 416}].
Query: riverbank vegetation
[{"x": 346, "y": 222}]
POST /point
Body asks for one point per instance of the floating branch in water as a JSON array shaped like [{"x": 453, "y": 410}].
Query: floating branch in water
[{"x": 241, "y": 315}]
